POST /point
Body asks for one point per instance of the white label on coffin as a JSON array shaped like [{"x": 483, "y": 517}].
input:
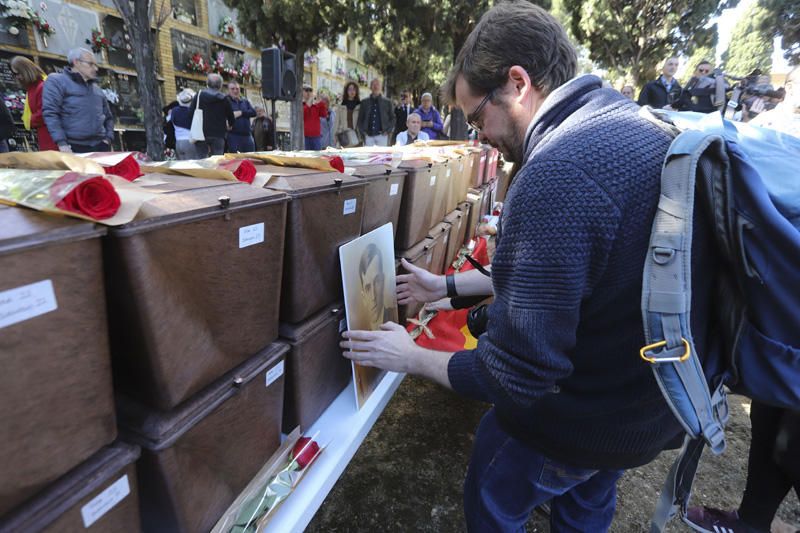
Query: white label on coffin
[
  {"x": 22, "y": 303},
  {"x": 350, "y": 206},
  {"x": 274, "y": 373},
  {"x": 393, "y": 189},
  {"x": 105, "y": 501},
  {"x": 250, "y": 235},
  {"x": 433, "y": 180}
]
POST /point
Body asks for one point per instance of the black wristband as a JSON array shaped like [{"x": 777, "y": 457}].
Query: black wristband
[{"x": 450, "y": 279}]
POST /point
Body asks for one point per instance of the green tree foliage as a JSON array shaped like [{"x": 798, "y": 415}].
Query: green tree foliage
[
  {"x": 299, "y": 26},
  {"x": 633, "y": 37},
  {"x": 750, "y": 47},
  {"x": 783, "y": 19}
]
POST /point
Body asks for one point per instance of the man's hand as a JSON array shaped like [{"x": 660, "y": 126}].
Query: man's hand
[
  {"x": 237, "y": 114},
  {"x": 107, "y": 141},
  {"x": 419, "y": 286},
  {"x": 391, "y": 348},
  {"x": 65, "y": 148}
]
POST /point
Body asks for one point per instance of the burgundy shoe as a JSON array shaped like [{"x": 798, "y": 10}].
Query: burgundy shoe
[{"x": 708, "y": 520}]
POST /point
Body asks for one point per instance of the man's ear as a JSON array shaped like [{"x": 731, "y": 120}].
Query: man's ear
[{"x": 519, "y": 83}]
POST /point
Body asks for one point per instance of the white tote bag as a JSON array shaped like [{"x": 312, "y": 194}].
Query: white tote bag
[{"x": 196, "y": 131}]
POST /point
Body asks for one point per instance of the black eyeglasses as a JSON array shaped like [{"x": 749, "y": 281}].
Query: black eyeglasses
[{"x": 474, "y": 117}]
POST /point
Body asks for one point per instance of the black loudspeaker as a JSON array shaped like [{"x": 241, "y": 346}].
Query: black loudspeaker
[{"x": 278, "y": 77}]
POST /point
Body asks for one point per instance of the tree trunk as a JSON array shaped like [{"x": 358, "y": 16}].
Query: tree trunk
[
  {"x": 296, "y": 124},
  {"x": 458, "y": 125},
  {"x": 138, "y": 22}
]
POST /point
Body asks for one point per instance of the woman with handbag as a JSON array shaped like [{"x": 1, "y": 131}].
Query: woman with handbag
[{"x": 347, "y": 117}]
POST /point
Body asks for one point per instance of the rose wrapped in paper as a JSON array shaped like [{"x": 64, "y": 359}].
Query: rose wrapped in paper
[
  {"x": 277, "y": 489},
  {"x": 243, "y": 169},
  {"x": 128, "y": 168},
  {"x": 86, "y": 195}
]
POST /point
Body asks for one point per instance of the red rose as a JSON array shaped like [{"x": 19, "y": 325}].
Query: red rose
[
  {"x": 128, "y": 168},
  {"x": 336, "y": 162},
  {"x": 94, "y": 197},
  {"x": 304, "y": 451},
  {"x": 243, "y": 169}
]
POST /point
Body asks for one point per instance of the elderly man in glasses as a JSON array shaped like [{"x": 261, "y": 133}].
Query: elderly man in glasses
[{"x": 74, "y": 107}]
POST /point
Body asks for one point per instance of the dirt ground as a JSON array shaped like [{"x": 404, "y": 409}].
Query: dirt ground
[{"x": 407, "y": 475}]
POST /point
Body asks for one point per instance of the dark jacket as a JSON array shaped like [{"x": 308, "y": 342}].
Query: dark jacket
[
  {"x": 241, "y": 125},
  {"x": 696, "y": 96},
  {"x": 217, "y": 113},
  {"x": 182, "y": 116},
  {"x": 655, "y": 94},
  {"x": 560, "y": 356},
  {"x": 6, "y": 124},
  {"x": 76, "y": 111},
  {"x": 401, "y": 117},
  {"x": 385, "y": 111}
]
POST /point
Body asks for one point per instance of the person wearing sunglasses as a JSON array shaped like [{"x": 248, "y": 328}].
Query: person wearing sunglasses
[
  {"x": 572, "y": 405},
  {"x": 75, "y": 109}
]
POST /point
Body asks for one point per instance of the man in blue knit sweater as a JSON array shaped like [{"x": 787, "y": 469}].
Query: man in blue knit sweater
[{"x": 573, "y": 405}]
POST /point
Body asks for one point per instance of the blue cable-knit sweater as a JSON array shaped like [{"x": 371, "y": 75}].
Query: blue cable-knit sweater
[{"x": 560, "y": 360}]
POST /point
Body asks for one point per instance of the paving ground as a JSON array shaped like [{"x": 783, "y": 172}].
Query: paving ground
[{"x": 407, "y": 475}]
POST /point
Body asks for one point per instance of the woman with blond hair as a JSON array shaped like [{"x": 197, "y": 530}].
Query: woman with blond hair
[
  {"x": 31, "y": 78},
  {"x": 345, "y": 133}
]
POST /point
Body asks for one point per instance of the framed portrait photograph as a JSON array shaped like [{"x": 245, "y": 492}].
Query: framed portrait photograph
[{"x": 368, "y": 278}]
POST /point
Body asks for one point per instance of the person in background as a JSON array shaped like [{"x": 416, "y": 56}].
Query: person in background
[
  {"x": 347, "y": 117},
  {"x": 6, "y": 128},
  {"x": 699, "y": 91},
  {"x": 31, "y": 78},
  {"x": 218, "y": 117},
  {"x": 263, "y": 132},
  {"x": 313, "y": 111},
  {"x": 664, "y": 91},
  {"x": 785, "y": 117},
  {"x": 239, "y": 137},
  {"x": 431, "y": 119},
  {"x": 327, "y": 124},
  {"x": 401, "y": 112},
  {"x": 627, "y": 91},
  {"x": 74, "y": 107},
  {"x": 376, "y": 121},
  {"x": 181, "y": 118},
  {"x": 412, "y": 133}
]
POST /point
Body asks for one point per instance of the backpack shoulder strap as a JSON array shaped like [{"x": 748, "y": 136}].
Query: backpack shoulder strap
[{"x": 666, "y": 311}]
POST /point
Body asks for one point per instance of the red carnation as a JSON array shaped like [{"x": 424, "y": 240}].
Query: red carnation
[
  {"x": 94, "y": 197},
  {"x": 304, "y": 451}
]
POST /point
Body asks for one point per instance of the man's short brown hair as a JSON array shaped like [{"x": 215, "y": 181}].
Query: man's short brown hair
[{"x": 514, "y": 33}]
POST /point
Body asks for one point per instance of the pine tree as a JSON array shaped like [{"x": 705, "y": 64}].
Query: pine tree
[{"x": 750, "y": 47}]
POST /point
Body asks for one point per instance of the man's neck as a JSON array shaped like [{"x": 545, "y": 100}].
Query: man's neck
[
  {"x": 376, "y": 95},
  {"x": 666, "y": 78}
]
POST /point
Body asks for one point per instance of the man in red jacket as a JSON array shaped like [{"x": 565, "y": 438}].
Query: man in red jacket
[{"x": 312, "y": 112}]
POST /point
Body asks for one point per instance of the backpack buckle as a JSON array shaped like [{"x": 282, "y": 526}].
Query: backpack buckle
[{"x": 645, "y": 353}]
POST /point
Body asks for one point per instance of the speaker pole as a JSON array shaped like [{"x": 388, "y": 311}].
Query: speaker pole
[{"x": 274, "y": 126}]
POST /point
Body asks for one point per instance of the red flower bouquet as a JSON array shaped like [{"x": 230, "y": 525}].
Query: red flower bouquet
[
  {"x": 243, "y": 169},
  {"x": 94, "y": 197}
]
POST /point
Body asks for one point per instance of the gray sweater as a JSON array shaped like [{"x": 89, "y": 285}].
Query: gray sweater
[{"x": 76, "y": 111}]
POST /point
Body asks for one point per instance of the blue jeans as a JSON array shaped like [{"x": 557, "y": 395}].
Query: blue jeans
[
  {"x": 506, "y": 480},
  {"x": 240, "y": 143},
  {"x": 313, "y": 143},
  {"x": 215, "y": 144}
]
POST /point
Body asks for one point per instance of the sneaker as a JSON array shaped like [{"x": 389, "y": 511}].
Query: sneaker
[{"x": 708, "y": 520}]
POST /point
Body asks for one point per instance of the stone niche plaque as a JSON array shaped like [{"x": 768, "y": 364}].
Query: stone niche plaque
[
  {"x": 122, "y": 55},
  {"x": 184, "y": 46},
  {"x": 186, "y": 83},
  {"x": 185, "y": 11},
  {"x": 73, "y": 26},
  {"x": 8, "y": 35}
]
